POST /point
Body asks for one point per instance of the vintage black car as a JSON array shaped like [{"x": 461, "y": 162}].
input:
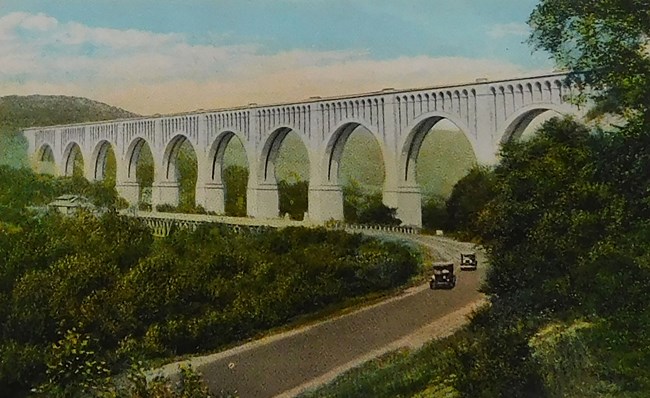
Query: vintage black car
[
  {"x": 468, "y": 261},
  {"x": 443, "y": 276}
]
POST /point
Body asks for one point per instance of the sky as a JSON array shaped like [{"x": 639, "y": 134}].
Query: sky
[{"x": 168, "y": 56}]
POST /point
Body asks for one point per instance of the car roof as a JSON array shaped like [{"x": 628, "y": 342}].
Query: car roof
[{"x": 443, "y": 264}]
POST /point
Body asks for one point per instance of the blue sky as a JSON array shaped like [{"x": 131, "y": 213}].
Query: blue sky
[{"x": 166, "y": 56}]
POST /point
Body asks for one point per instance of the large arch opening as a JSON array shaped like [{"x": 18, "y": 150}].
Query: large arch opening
[
  {"x": 140, "y": 168},
  {"x": 356, "y": 163},
  {"x": 104, "y": 164},
  {"x": 437, "y": 156},
  {"x": 73, "y": 162},
  {"x": 181, "y": 166},
  {"x": 525, "y": 125},
  {"x": 45, "y": 163},
  {"x": 229, "y": 167},
  {"x": 285, "y": 163}
]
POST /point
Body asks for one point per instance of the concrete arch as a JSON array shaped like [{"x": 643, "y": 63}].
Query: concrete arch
[
  {"x": 98, "y": 159},
  {"x": 333, "y": 151},
  {"x": 69, "y": 157},
  {"x": 217, "y": 151},
  {"x": 412, "y": 142},
  {"x": 170, "y": 155},
  {"x": 45, "y": 151},
  {"x": 45, "y": 155},
  {"x": 270, "y": 151},
  {"x": 133, "y": 154},
  {"x": 517, "y": 123}
]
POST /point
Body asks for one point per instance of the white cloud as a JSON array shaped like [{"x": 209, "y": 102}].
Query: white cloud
[
  {"x": 148, "y": 72},
  {"x": 508, "y": 29}
]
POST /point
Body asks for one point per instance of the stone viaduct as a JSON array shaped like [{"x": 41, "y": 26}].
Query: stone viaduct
[{"x": 489, "y": 113}]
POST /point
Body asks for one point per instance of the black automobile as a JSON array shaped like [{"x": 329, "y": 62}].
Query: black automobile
[
  {"x": 468, "y": 261},
  {"x": 443, "y": 276}
]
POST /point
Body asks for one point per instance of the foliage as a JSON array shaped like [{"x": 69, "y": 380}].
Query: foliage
[
  {"x": 468, "y": 198},
  {"x": 434, "y": 213},
  {"x": 550, "y": 210},
  {"x": 22, "y": 187},
  {"x": 189, "y": 385},
  {"x": 422, "y": 373},
  {"x": 563, "y": 356},
  {"x": 362, "y": 208},
  {"x": 186, "y": 165},
  {"x": 566, "y": 242},
  {"x": 293, "y": 198},
  {"x": 605, "y": 44},
  {"x": 144, "y": 172},
  {"x": 105, "y": 282},
  {"x": 72, "y": 368},
  {"x": 235, "y": 179}
]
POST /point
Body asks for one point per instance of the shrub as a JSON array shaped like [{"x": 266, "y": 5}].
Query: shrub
[{"x": 166, "y": 208}]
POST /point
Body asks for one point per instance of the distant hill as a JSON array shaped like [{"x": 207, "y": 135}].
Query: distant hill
[
  {"x": 45, "y": 110},
  {"x": 19, "y": 112}
]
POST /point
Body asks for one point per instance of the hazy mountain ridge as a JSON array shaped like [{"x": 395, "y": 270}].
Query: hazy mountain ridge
[
  {"x": 20, "y": 112},
  {"x": 47, "y": 110}
]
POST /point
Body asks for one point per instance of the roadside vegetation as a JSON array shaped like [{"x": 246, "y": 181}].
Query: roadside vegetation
[
  {"x": 83, "y": 297},
  {"x": 566, "y": 231}
]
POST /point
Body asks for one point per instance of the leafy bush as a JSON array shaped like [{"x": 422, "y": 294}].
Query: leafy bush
[
  {"x": 166, "y": 208},
  {"x": 129, "y": 295},
  {"x": 468, "y": 198},
  {"x": 235, "y": 179},
  {"x": 363, "y": 208},
  {"x": 434, "y": 213},
  {"x": 293, "y": 198}
]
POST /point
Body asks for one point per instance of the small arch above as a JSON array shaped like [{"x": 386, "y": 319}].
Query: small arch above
[
  {"x": 517, "y": 124},
  {"x": 99, "y": 158},
  {"x": 71, "y": 155},
  {"x": 171, "y": 154}
]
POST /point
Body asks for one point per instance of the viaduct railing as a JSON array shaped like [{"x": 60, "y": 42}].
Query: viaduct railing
[
  {"x": 162, "y": 224},
  {"x": 402, "y": 229},
  {"x": 163, "y": 227}
]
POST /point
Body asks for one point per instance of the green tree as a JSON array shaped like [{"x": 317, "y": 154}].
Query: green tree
[
  {"x": 604, "y": 43},
  {"x": 374, "y": 211},
  {"x": 468, "y": 198},
  {"x": 293, "y": 198},
  {"x": 352, "y": 201},
  {"x": 434, "y": 213},
  {"x": 550, "y": 210},
  {"x": 235, "y": 179},
  {"x": 145, "y": 169},
  {"x": 366, "y": 208},
  {"x": 186, "y": 165}
]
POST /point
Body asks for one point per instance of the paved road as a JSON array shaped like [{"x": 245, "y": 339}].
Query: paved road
[{"x": 280, "y": 363}]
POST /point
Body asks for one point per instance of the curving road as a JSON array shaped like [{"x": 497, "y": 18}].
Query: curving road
[{"x": 288, "y": 363}]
